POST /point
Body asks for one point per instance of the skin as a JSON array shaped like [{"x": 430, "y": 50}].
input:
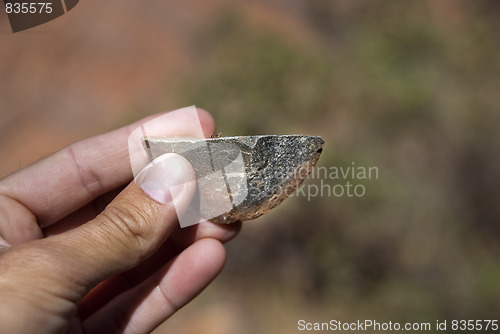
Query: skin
[{"x": 84, "y": 250}]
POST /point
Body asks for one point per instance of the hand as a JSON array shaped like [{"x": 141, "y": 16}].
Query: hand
[{"x": 80, "y": 252}]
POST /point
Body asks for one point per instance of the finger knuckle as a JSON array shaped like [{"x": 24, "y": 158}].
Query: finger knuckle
[{"x": 128, "y": 224}]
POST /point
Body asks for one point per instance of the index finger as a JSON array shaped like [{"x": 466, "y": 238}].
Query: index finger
[{"x": 65, "y": 181}]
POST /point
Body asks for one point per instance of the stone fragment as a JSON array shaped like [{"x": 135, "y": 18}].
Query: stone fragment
[{"x": 241, "y": 178}]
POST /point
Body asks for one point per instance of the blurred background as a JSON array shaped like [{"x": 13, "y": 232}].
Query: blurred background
[{"x": 411, "y": 87}]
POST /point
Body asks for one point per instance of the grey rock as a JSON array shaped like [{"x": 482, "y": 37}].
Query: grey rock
[{"x": 241, "y": 178}]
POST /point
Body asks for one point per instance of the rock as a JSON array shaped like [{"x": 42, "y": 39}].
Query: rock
[{"x": 241, "y": 178}]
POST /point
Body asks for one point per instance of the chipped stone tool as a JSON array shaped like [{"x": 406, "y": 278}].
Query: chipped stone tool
[{"x": 241, "y": 178}]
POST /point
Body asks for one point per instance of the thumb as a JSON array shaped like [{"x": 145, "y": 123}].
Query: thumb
[{"x": 132, "y": 226}]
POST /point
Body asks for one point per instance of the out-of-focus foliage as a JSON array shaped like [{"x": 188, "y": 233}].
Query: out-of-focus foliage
[{"x": 410, "y": 87}]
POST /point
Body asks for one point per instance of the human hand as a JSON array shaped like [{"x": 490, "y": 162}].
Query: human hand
[{"x": 80, "y": 252}]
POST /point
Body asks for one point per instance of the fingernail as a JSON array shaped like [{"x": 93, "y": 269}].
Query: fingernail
[{"x": 163, "y": 174}]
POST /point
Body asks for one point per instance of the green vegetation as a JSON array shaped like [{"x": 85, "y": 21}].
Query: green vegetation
[{"x": 405, "y": 86}]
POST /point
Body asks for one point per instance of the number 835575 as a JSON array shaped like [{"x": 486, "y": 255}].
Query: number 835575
[{"x": 28, "y": 8}]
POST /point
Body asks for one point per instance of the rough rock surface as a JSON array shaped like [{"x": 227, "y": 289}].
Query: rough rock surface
[{"x": 254, "y": 173}]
